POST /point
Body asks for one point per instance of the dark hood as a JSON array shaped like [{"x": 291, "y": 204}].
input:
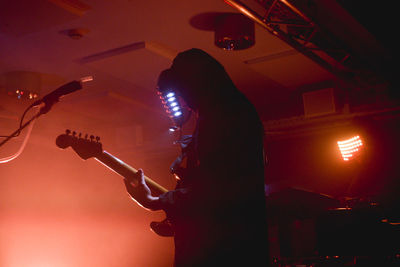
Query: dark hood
[{"x": 200, "y": 78}]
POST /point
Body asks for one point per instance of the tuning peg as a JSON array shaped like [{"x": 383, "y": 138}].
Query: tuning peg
[
  {"x": 73, "y": 133},
  {"x": 91, "y": 137},
  {"x": 80, "y": 135},
  {"x": 97, "y": 138},
  {"x": 68, "y": 131},
  {"x": 86, "y": 136}
]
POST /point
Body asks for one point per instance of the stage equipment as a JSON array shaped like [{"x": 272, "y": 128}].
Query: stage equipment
[
  {"x": 49, "y": 100},
  {"x": 325, "y": 33},
  {"x": 22, "y": 85},
  {"x": 312, "y": 229},
  {"x": 234, "y": 31},
  {"x": 350, "y": 147}
]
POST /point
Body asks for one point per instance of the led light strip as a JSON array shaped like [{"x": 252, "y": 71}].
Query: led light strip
[{"x": 171, "y": 104}]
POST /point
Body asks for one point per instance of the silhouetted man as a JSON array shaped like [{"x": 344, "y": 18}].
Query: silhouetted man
[{"x": 217, "y": 209}]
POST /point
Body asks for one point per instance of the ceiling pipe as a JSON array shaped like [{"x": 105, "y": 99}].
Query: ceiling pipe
[{"x": 301, "y": 48}]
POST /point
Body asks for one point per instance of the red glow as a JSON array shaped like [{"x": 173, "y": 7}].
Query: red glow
[
  {"x": 77, "y": 240},
  {"x": 62, "y": 211}
]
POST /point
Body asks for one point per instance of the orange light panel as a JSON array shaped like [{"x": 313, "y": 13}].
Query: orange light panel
[{"x": 351, "y": 147}]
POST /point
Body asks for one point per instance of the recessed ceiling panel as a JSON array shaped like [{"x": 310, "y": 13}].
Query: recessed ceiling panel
[{"x": 138, "y": 63}]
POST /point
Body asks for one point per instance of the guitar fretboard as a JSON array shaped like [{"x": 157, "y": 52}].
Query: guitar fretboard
[{"x": 127, "y": 171}]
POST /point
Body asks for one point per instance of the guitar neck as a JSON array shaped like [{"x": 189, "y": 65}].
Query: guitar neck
[{"x": 127, "y": 171}]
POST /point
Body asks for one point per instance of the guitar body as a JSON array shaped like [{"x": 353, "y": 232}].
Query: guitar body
[{"x": 91, "y": 148}]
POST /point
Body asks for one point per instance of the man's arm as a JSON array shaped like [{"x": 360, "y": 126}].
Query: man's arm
[{"x": 141, "y": 193}]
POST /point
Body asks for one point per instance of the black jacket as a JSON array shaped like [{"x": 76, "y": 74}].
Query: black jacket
[{"x": 218, "y": 208}]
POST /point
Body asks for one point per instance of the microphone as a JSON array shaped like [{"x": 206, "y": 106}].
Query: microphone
[{"x": 54, "y": 96}]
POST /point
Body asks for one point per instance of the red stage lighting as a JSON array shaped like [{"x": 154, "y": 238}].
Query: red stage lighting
[{"x": 350, "y": 147}]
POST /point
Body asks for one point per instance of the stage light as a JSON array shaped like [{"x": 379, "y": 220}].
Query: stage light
[
  {"x": 234, "y": 31},
  {"x": 350, "y": 148}
]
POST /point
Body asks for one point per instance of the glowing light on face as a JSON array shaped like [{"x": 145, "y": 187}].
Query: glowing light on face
[{"x": 349, "y": 148}]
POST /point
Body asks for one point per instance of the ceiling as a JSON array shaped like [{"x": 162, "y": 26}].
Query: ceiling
[{"x": 124, "y": 45}]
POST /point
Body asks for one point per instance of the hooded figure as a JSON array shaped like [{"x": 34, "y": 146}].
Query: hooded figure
[{"x": 217, "y": 209}]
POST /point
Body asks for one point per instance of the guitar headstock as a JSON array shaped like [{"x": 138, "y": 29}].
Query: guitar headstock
[{"x": 85, "y": 146}]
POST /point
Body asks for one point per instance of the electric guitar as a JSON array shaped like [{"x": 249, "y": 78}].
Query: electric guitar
[{"x": 89, "y": 147}]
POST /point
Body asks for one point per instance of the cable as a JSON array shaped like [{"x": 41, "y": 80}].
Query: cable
[
  {"x": 12, "y": 157},
  {"x": 20, "y": 123},
  {"x": 49, "y": 100}
]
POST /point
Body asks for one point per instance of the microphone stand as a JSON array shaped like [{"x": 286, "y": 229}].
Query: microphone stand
[
  {"x": 48, "y": 103},
  {"x": 42, "y": 111}
]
